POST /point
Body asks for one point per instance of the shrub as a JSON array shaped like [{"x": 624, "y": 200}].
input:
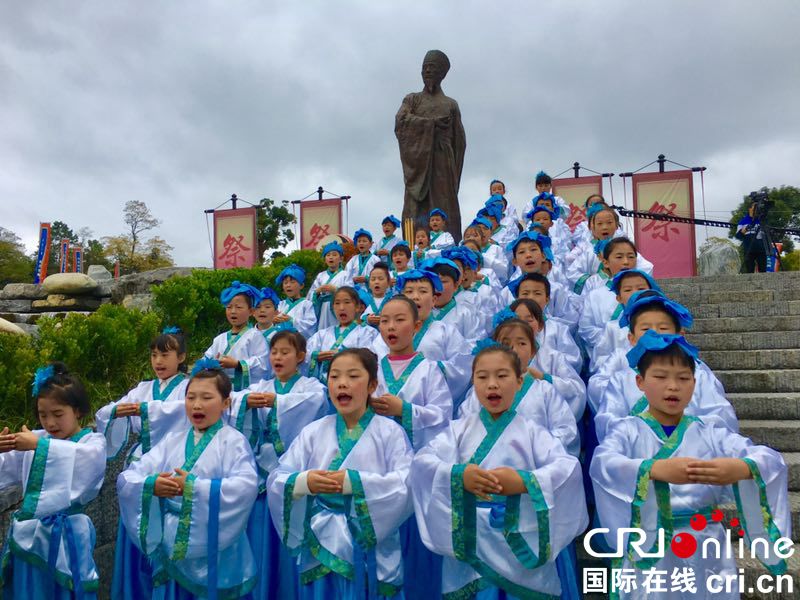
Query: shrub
[
  {"x": 18, "y": 361},
  {"x": 192, "y": 303},
  {"x": 108, "y": 350}
]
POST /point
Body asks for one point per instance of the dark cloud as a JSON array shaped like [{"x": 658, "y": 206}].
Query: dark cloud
[{"x": 182, "y": 104}]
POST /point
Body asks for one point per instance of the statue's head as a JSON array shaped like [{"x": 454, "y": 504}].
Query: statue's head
[{"x": 434, "y": 68}]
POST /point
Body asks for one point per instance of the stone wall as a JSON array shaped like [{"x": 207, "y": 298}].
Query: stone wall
[{"x": 25, "y": 303}]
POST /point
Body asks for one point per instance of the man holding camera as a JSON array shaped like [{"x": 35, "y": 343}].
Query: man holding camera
[{"x": 751, "y": 233}]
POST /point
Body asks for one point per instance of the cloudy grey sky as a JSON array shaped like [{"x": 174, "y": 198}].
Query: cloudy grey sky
[{"x": 180, "y": 104}]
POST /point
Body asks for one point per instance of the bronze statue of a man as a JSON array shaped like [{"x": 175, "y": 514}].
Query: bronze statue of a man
[{"x": 432, "y": 143}]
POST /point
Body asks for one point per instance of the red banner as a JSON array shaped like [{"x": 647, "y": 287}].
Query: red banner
[
  {"x": 235, "y": 238},
  {"x": 669, "y": 246},
  {"x": 319, "y": 219},
  {"x": 575, "y": 191}
]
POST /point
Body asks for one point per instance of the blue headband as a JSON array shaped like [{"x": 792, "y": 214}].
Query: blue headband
[
  {"x": 647, "y": 297},
  {"x": 237, "y": 288},
  {"x": 614, "y": 284},
  {"x": 600, "y": 245},
  {"x": 438, "y": 211},
  {"x": 541, "y": 174},
  {"x": 504, "y": 315},
  {"x": 293, "y": 271},
  {"x": 543, "y": 242},
  {"x": 495, "y": 199},
  {"x": 364, "y": 295},
  {"x": 42, "y": 378},
  {"x": 206, "y": 364},
  {"x": 417, "y": 275},
  {"x": 463, "y": 254},
  {"x": 391, "y": 219},
  {"x": 332, "y": 247},
  {"x": 492, "y": 210},
  {"x": 483, "y": 344},
  {"x": 429, "y": 263},
  {"x": 654, "y": 342},
  {"x": 594, "y": 209},
  {"x": 361, "y": 232},
  {"x": 539, "y": 208},
  {"x": 171, "y": 330},
  {"x": 401, "y": 243},
  {"x": 268, "y": 293},
  {"x": 481, "y": 221}
]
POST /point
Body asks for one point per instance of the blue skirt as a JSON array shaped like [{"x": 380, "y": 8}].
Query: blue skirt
[
  {"x": 422, "y": 569},
  {"x": 334, "y": 586},
  {"x": 133, "y": 574},
  {"x": 567, "y": 567},
  {"x": 278, "y": 575},
  {"x": 172, "y": 591},
  {"x": 23, "y": 580}
]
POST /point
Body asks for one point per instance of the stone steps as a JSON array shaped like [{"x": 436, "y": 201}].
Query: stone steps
[
  {"x": 765, "y": 406},
  {"x": 727, "y": 325},
  {"x": 751, "y": 359},
  {"x": 758, "y": 310},
  {"x": 754, "y": 340},
  {"x": 781, "y": 435},
  {"x": 748, "y": 381}
]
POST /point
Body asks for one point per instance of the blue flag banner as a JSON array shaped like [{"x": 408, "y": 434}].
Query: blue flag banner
[
  {"x": 63, "y": 256},
  {"x": 77, "y": 260},
  {"x": 43, "y": 254}
]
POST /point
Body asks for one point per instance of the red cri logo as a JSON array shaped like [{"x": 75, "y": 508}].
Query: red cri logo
[{"x": 684, "y": 545}]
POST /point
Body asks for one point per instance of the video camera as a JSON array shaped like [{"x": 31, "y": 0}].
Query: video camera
[{"x": 762, "y": 204}]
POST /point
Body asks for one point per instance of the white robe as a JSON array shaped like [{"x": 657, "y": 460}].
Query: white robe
[
  {"x": 377, "y": 472},
  {"x": 330, "y": 338},
  {"x": 537, "y": 401},
  {"x": 386, "y": 244},
  {"x": 555, "y": 500},
  {"x": 271, "y": 431},
  {"x": 555, "y": 337},
  {"x": 563, "y": 303},
  {"x": 482, "y": 299},
  {"x": 322, "y": 303},
  {"x": 447, "y": 347},
  {"x": 622, "y": 488},
  {"x": 302, "y": 315},
  {"x": 427, "y": 403},
  {"x": 162, "y": 409},
  {"x": 583, "y": 261},
  {"x": 496, "y": 259},
  {"x": 598, "y": 308},
  {"x": 613, "y": 394},
  {"x": 354, "y": 268},
  {"x": 58, "y": 480},
  {"x": 564, "y": 378},
  {"x": 154, "y": 524},
  {"x": 441, "y": 241},
  {"x": 614, "y": 338},
  {"x": 460, "y": 317},
  {"x": 249, "y": 349}
]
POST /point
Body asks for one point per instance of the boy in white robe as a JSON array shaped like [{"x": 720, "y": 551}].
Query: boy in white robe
[
  {"x": 326, "y": 283},
  {"x": 383, "y": 247},
  {"x": 242, "y": 351},
  {"x": 496, "y": 494},
  {"x": 440, "y": 239},
  {"x": 664, "y": 469},
  {"x": 510, "y": 214},
  {"x": 359, "y": 266},
  {"x": 450, "y": 313},
  {"x": 613, "y": 392},
  {"x": 295, "y": 308},
  {"x": 379, "y": 291}
]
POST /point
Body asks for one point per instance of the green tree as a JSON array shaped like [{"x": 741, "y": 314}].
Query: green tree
[
  {"x": 784, "y": 213},
  {"x": 15, "y": 265},
  {"x": 274, "y": 226},
  {"x": 139, "y": 219}
]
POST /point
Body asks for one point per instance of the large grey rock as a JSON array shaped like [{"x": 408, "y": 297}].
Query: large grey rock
[
  {"x": 99, "y": 273},
  {"x": 718, "y": 256},
  {"x": 27, "y": 291},
  {"x": 65, "y": 302},
  {"x": 141, "y": 301},
  {"x": 140, "y": 283},
  {"x": 69, "y": 283},
  {"x": 9, "y": 327},
  {"x": 15, "y": 306}
]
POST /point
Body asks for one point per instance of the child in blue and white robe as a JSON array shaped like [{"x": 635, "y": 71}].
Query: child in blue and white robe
[
  {"x": 329, "y": 280},
  {"x": 295, "y": 308}
]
